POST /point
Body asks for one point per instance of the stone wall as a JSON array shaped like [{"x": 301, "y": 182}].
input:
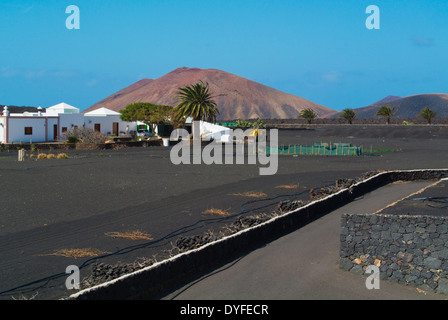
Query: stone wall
[{"x": 410, "y": 250}]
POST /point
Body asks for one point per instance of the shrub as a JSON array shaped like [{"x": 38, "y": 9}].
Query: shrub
[
  {"x": 72, "y": 139},
  {"x": 84, "y": 135},
  {"x": 259, "y": 123},
  {"x": 62, "y": 156},
  {"x": 41, "y": 156},
  {"x": 51, "y": 156},
  {"x": 243, "y": 124}
]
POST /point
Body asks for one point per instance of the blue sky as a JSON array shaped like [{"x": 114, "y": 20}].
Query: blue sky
[{"x": 318, "y": 50}]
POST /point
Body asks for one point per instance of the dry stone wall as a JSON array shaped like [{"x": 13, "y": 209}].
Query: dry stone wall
[{"x": 410, "y": 250}]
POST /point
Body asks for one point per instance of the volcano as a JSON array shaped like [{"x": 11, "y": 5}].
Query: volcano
[{"x": 236, "y": 97}]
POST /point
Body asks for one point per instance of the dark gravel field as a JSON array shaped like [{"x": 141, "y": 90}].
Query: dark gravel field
[
  {"x": 83, "y": 202},
  {"x": 432, "y": 201}
]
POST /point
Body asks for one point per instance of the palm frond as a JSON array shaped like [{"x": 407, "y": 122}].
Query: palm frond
[{"x": 196, "y": 101}]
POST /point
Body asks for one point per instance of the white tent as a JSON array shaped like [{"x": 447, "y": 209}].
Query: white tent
[{"x": 212, "y": 131}]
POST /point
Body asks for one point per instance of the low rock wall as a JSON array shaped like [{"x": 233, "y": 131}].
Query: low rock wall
[
  {"x": 81, "y": 146},
  {"x": 410, "y": 250}
]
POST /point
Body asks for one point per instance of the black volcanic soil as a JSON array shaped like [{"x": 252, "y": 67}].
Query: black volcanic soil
[
  {"x": 432, "y": 201},
  {"x": 48, "y": 205},
  {"x": 374, "y": 120}
]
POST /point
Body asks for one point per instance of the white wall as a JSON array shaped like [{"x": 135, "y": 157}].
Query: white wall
[
  {"x": 106, "y": 124},
  {"x": 16, "y": 129},
  {"x": 43, "y": 127},
  {"x": 2, "y": 129},
  {"x": 69, "y": 121}
]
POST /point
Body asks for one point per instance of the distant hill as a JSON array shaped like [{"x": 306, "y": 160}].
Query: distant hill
[
  {"x": 236, "y": 97},
  {"x": 16, "y": 109},
  {"x": 406, "y": 107},
  {"x": 387, "y": 99}
]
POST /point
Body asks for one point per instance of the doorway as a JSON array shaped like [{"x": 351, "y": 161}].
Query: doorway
[{"x": 55, "y": 132}]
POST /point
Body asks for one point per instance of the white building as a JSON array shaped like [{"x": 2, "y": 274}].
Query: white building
[
  {"x": 108, "y": 122},
  {"x": 50, "y": 125}
]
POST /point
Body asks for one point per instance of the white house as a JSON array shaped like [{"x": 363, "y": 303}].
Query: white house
[
  {"x": 108, "y": 122},
  {"x": 50, "y": 125}
]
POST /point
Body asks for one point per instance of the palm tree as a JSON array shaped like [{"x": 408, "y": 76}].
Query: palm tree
[
  {"x": 348, "y": 114},
  {"x": 386, "y": 112},
  {"x": 427, "y": 114},
  {"x": 197, "y": 102},
  {"x": 308, "y": 114}
]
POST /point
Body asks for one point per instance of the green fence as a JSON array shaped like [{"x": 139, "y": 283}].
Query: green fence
[{"x": 324, "y": 149}]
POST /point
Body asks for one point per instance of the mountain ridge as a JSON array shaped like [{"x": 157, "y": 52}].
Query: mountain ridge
[{"x": 405, "y": 107}]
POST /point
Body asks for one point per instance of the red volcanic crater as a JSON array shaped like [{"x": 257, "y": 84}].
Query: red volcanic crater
[{"x": 236, "y": 97}]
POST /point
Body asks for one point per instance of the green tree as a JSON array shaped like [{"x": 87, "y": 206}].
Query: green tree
[
  {"x": 148, "y": 113},
  {"x": 308, "y": 114},
  {"x": 386, "y": 112},
  {"x": 197, "y": 102},
  {"x": 348, "y": 114},
  {"x": 139, "y": 111},
  {"x": 427, "y": 114}
]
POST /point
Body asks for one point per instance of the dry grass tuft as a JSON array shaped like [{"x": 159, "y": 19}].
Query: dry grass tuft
[
  {"x": 22, "y": 297},
  {"x": 217, "y": 212},
  {"x": 287, "y": 186},
  {"x": 131, "y": 235},
  {"x": 251, "y": 194},
  {"x": 77, "y": 253}
]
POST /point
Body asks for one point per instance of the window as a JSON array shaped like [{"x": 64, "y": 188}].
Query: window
[
  {"x": 64, "y": 129},
  {"x": 28, "y": 131}
]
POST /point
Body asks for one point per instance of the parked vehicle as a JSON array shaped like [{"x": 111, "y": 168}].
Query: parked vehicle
[{"x": 144, "y": 133}]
